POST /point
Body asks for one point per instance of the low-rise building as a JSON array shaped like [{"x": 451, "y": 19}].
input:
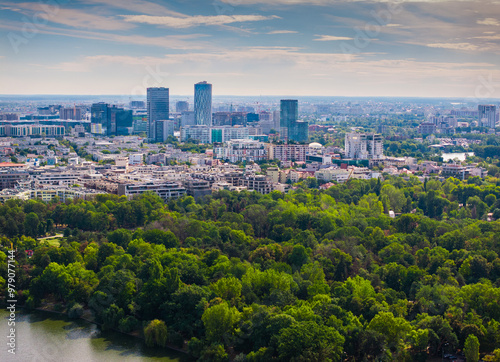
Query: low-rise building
[
  {"x": 241, "y": 151},
  {"x": 166, "y": 190},
  {"x": 257, "y": 183}
]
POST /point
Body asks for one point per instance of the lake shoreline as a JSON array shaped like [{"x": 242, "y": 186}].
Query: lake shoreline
[{"x": 65, "y": 315}]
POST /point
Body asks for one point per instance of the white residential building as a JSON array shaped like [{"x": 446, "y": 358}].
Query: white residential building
[
  {"x": 241, "y": 150},
  {"x": 364, "y": 146}
]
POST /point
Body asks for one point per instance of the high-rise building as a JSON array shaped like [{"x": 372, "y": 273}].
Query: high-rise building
[
  {"x": 99, "y": 113},
  {"x": 276, "y": 121},
  {"x": 113, "y": 120},
  {"x": 187, "y": 119},
  {"x": 120, "y": 121},
  {"x": 203, "y": 103},
  {"x": 364, "y": 146},
  {"x": 487, "y": 115},
  {"x": 74, "y": 113},
  {"x": 158, "y": 108},
  {"x": 290, "y": 128},
  {"x": 181, "y": 106},
  {"x": 164, "y": 129}
]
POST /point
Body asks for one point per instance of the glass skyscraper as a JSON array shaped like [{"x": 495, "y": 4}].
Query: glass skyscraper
[
  {"x": 290, "y": 128},
  {"x": 203, "y": 103},
  {"x": 158, "y": 108}
]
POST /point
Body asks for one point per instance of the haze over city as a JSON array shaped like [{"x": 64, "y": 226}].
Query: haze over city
[{"x": 252, "y": 47}]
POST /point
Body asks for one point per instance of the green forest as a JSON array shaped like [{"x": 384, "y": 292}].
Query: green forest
[{"x": 313, "y": 275}]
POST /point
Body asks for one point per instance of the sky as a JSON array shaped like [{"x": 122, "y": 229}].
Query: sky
[{"x": 427, "y": 48}]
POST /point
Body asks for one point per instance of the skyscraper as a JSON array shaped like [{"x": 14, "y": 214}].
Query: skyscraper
[
  {"x": 164, "y": 129},
  {"x": 158, "y": 108},
  {"x": 203, "y": 103},
  {"x": 487, "y": 115},
  {"x": 99, "y": 113},
  {"x": 290, "y": 128}
]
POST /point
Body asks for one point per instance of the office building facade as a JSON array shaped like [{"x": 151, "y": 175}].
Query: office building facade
[
  {"x": 290, "y": 128},
  {"x": 203, "y": 104},
  {"x": 164, "y": 129},
  {"x": 158, "y": 108}
]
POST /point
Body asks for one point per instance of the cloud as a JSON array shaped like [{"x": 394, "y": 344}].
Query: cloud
[
  {"x": 181, "y": 42},
  {"x": 331, "y": 38},
  {"x": 187, "y": 22},
  {"x": 488, "y": 37},
  {"x": 283, "y": 32},
  {"x": 489, "y": 21},
  {"x": 394, "y": 25},
  {"x": 70, "y": 17},
  {"x": 454, "y": 46},
  {"x": 140, "y": 6}
]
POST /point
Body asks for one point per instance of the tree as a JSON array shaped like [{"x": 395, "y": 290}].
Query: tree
[
  {"x": 31, "y": 224},
  {"x": 155, "y": 333},
  {"x": 166, "y": 238},
  {"x": 219, "y": 321},
  {"x": 471, "y": 348},
  {"x": 393, "y": 328},
  {"x": 308, "y": 341},
  {"x": 227, "y": 288}
]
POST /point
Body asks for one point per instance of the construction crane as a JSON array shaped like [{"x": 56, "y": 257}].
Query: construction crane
[{"x": 350, "y": 174}]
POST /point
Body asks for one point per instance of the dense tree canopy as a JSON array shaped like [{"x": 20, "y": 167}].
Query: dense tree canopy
[{"x": 308, "y": 276}]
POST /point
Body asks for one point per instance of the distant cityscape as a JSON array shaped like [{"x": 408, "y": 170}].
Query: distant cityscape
[{"x": 192, "y": 148}]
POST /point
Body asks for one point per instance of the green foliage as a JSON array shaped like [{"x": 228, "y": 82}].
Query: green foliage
[
  {"x": 219, "y": 321},
  {"x": 471, "y": 348},
  {"x": 155, "y": 333},
  {"x": 309, "y": 275}
]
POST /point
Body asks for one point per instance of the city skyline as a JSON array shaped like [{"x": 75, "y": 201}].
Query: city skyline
[{"x": 250, "y": 47}]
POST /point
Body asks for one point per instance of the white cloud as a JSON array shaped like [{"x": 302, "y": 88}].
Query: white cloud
[
  {"x": 70, "y": 17},
  {"x": 394, "y": 25},
  {"x": 488, "y": 37},
  {"x": 283, "y": 32},
  {"x": 187, "y": 22},
  {"x": 454, "y": 46},
  {"x": 331, "y": 38},
  {"x": 140, "y": 6},
  {"x": 489, "y": 21},
  {"x": 181, "y": 42}
]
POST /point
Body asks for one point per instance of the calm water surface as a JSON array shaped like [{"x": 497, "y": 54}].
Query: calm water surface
[
  {"x": 461, "y": 156},
  {"x": 50, "y": 337}
]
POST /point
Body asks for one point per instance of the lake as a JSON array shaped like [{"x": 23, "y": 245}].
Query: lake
[
  {"x": 48, "y": 337},
  {"x": 460, "y": 156}
]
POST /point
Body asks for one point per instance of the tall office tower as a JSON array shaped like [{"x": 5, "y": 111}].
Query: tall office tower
[
  {"x": 158, "y": 108},
  {"x": 487, "y": 115},
  {"x": 276, "y": 120},
  {"x": 182, "y": 106},
  {"x": 290, "y": 128},
  {"x": 203, "y": 103},
  {"x": 99, "y": 113}
]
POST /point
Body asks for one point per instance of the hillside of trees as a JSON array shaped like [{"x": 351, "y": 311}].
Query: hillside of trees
[{"x": 314, "y": 275}]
